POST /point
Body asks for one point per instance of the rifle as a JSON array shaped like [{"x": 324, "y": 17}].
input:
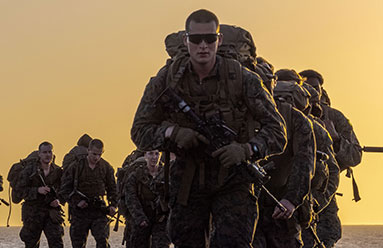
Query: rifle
[
  {"x": 319, "y": 243},
  {"x": 97, "y": 202},
  {"x": 52, "y": 194},
  {"x": 115, "y": 228},
  {"x": 4, "y": 201},
  {"x": 372, "y": 149},
  {"x": 219, "y": 135}
]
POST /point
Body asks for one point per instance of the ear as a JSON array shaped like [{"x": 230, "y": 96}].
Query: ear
[
  {"x": 220, "y": 39},
  {"x": 185, "y": 40}
]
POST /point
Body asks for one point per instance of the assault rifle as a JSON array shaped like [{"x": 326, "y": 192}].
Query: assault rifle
[
  {"x": 51, "y": 195},
  {"x": 372, "y": 149},
  {"x": 219, "y": 135},
  {"x": 97, "y": 202}
]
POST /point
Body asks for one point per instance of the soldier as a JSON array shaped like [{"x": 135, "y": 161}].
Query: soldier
[
  {"x": 41, "y": 211},
  {"x": 291, "y": 173},
  {"x": 84, "y": 185},
  {"x": 122, "y": 175},
  {"x": 326, "y": 179},
  {"x": 203, "y": 183},
  {"x": 347, "y": 153},
  {"x": 145, "y": 203}
]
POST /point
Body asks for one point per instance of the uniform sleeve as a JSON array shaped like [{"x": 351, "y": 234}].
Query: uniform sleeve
[
  {"x": 67, "y": 180},
  {"x": 111, "y": 188},
  {"x": 347, "y": 149},
  {"x": 148, "y": 131},
  {"x": 303, "y": 166},
  {"x": 132, "y": 201},
  {"x": 57, "y": 183},
  {"x": 24, "y": 185},
  {"x": 271, "y": 139}
]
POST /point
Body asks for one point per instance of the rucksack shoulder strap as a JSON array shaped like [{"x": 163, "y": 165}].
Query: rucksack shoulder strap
[{"x": 232, "y": 72}]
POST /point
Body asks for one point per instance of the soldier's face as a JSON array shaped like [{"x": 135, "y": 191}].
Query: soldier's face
[
  {"x": 202, "y": 42},
  {"x": 94, "y": 155},
  {"x": 46, "y": 154},
  {"x": 152, "y": 157}
]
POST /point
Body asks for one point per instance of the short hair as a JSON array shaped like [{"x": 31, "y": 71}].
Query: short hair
[
  {"x": 201, "y": 16},
  {"x": 288, "y": 75},
  {"x": 312, "y": 74},
  {"x": 96, "y": 143},
  {"x": 45, "y": 143}
]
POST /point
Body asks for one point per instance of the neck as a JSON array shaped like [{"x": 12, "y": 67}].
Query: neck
[
  {"x": 203, "y": 70},
  {"x": 153, "y": 170},
  {"x": 45, "y": 166},
  {"x": 90, "y": 164}
]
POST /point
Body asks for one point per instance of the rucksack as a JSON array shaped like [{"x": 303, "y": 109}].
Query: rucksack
[
  {"x": 78, "y": 152},
  {"x": 14, "y": 174},
  {"x": 122, "y": 177},
  {"x": 237, "y": 44},
  {"x": 293, "y": 93}
]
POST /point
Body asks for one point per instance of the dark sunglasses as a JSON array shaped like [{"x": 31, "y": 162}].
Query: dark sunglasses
[{"x": 198, "y": 38}]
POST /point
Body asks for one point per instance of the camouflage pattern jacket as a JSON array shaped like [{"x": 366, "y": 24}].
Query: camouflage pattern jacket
[
  {"x": 92, "y": 183},
  {"x": 29, "y": 182},
  {"x": 143, "y": 195},
  {"x": 151, "y": 120},
  {"x": 294, "y": 169},
  {"x": 324, "y": 191},
  {"x": 346, "y": 146}
]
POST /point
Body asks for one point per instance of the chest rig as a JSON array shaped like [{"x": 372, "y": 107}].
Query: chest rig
[{"x": 225, "y": 102}]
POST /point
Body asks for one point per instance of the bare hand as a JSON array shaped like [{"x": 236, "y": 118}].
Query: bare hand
[
  {"x": 55, "y": 203},
  {"x": 43, "y": 190},
  {"x": 290, "y": 208},
  {"x": 112, "y": 211},
  {"x": 82, "y": 204},
  {"x": 144, "y": 224}
]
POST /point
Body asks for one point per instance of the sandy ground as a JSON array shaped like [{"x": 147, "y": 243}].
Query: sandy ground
[{"x": 353, "y": 237}]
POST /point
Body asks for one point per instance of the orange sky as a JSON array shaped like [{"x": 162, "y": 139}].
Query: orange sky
[{"x": 69, "y": 67}]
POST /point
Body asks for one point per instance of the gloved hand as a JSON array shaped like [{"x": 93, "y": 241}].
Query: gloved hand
[
  {"x": 186, "y": 138},
  {"x": 232, "y": 154},
  {"x": 56, "y": 215}
]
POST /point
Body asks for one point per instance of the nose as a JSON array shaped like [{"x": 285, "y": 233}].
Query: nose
[{"x": 203, "y": 44}]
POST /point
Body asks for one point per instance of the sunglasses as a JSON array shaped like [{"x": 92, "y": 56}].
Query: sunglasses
[{"x": 198, "y": 38}]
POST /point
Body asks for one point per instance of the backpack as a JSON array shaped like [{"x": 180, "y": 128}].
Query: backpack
[
  {"x": 122, "y": 177},
  {"x": 78, "y": 152},
  {"x": 293, "y": 93},
  {"x": 237, "y": 44},
  {"x": 14, "y": 174}
]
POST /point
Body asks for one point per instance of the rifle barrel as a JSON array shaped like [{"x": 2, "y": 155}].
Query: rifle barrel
[
  {"x": 4, "y": 201},
  {"x": 372, "y": 149}
]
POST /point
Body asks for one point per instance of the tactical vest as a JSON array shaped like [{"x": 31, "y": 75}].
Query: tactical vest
[
  {"x": 226, "y": 103},
  {"x": 92, "y": 185}
]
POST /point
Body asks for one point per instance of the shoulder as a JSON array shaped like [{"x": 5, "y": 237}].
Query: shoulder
[
  {"x": 106, "y": 165},
  {"x": 56, "y": 167},
  {"x": 302, "y": 123}
]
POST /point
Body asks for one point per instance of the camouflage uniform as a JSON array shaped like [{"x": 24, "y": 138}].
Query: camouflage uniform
[
  {"x": 143, "y": 195},
  {"x": 36, "y": 212},
  {"x": 347, "y": 153},
  {"x": 326, "y": 179},
  {"x": 290, "y": 179},
  {"x": 196, "y": 188},
  {"x": 93, "y": 184}
]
